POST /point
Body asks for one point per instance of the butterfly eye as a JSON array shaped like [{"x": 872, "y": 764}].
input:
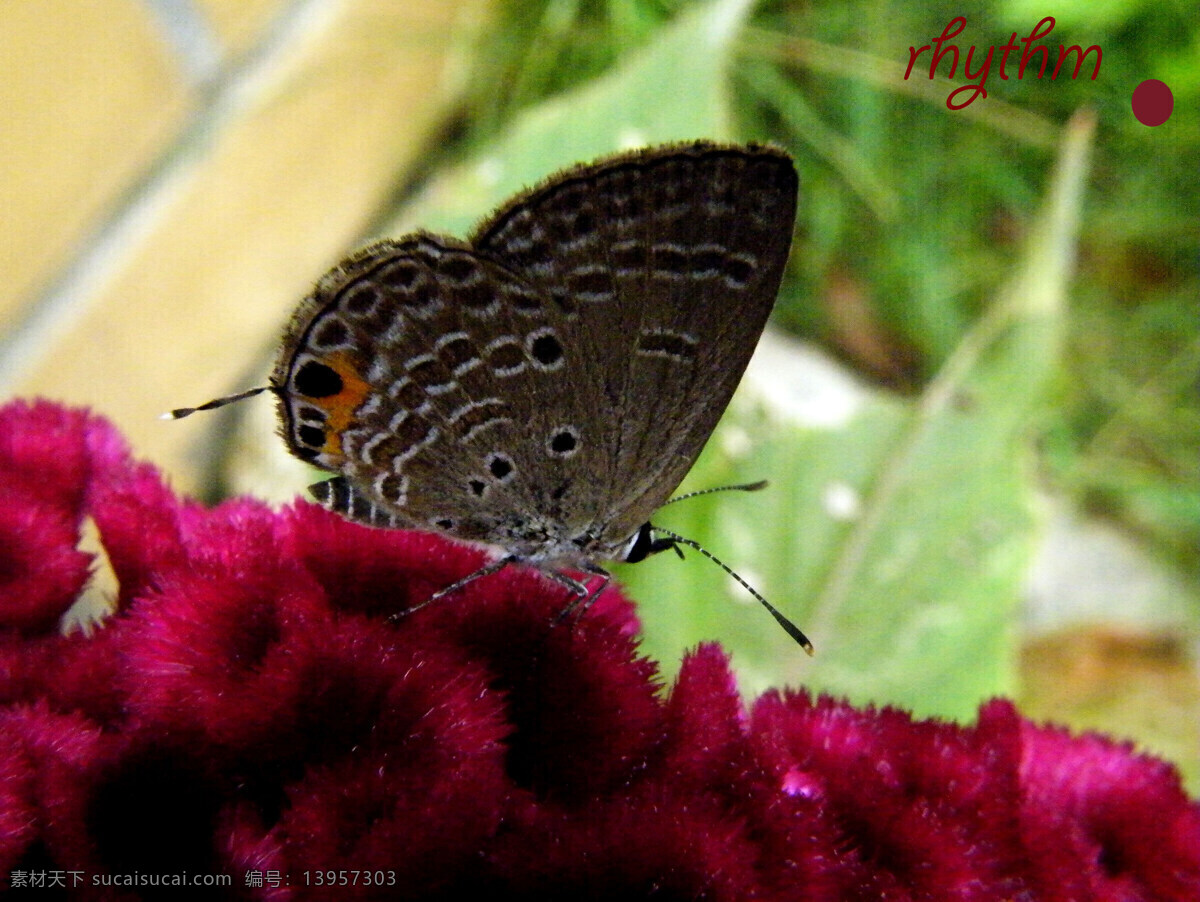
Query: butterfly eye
[
  {"x": 644, "y": 543},
  {"x": 639, "y": 545}
]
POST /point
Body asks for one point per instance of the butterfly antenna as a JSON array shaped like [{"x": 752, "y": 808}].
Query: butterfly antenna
[
  {"x": 180, "y": 412},
  {"x": 788, "y": 627},
  {"x": 744, "y": 487}
]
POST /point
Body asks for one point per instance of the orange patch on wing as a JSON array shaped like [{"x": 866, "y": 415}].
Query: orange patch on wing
[{"x": 339, "y": 409}]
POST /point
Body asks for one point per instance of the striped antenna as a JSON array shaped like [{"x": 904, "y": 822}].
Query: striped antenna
[
  {"x": 744, "y": 487},
  {"x": 788, "y": 627},
  {"x": 180, "y": 412}
]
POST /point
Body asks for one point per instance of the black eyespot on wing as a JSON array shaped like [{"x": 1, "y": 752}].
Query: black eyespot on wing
[
  {"x": 546, "y": 350},
  {"x": 313, "y": 436},
  {"x": 317, "y": 380},
  {"x": 500, "y": 466},
  {"x": 563, "y": 442},
  {"x": 332, "y": 333}
]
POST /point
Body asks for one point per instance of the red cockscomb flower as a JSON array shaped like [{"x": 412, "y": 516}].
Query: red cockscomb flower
[{"x": 249, "y": 711}]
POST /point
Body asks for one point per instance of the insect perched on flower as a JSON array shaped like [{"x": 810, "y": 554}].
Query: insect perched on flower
[{"x": 543, "y": 387}]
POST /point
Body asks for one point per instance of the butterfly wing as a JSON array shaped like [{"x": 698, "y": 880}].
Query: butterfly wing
[
  {"x": 432, "y": 380},
  {"x": 667, "y": 263}
]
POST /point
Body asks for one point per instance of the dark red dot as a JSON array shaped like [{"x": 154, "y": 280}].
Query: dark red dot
[{"x": 1152, "y": 102}]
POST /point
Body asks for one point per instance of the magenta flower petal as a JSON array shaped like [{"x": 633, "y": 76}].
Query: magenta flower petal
[
  {"x": 224, "y": 660},
  {"x": 41, "y": 571},
  {"x": 374, "y": 571},
  {"x": 51, "y": 765},
  {"x": 247, "y": 850},
  {"x": 56, "y": 467},
  {"x": 141, "y": 525},
  {"x": 706, "y": 725},
  {"x": 1106, "y": 823},
  {"x": 18, "y": 803},
  {"x": 44, "y": 469},
  {"x": 583, "y": 703},
  {"x": 651, "y": 843},
  {"x": 920, "y": 805},
  {"x": 44, "y": 448},
  {"x": 74, "y": 673},
  {"x": 415, "y": 784},
  {"x": 251, "y": 709}
]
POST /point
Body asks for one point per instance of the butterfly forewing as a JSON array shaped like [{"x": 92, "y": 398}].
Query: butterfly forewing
[{"x": 669, "y": 261}]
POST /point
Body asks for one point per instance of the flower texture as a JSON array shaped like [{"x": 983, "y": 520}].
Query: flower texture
[{"x": 249, "y": 710}]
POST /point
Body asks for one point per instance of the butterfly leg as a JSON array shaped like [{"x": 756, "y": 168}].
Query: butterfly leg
[
  {"x": 486, "y": 570},
  {"x": 584, "y": 597}
]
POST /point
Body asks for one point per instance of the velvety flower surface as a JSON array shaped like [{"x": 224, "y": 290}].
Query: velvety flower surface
[{"x": 250, "y": 711}]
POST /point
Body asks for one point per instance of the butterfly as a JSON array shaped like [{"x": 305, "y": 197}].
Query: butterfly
[{"x": 544, "y": 386}]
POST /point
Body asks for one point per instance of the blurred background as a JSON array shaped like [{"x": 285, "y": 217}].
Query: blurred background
[{"x": 977, "y": 405}]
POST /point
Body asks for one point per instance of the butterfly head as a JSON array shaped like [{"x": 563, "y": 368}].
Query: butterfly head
[{"x": 646, "y": 542}]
